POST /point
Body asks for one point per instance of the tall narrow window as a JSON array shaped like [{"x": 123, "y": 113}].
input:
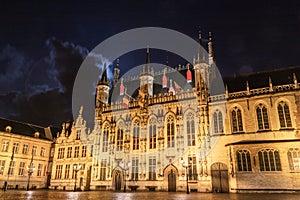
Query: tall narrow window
[
  {"x": 152, "y": 134},
  {"x": 262, "y": 117},
  {"x": 269, "y": 160},
  {"x": 76, "y": 152},
  {"x": 152, "y": 168},
  {"x": 25, "y": 149},
  {"x": 135, "y": 169},
  {"x": 170, "y": 131},
  {"x": 243, "y": 160},
  {"x": 190, "y": 129},
  {"x": 236, "y": 120},
  {"x": 294, "y": 159},
  {"x": 192, "y": 166},
  {"x": 103, "y": 170},
  {"x": 43, "y": 151},
  {"x": 105, "y": 139},
  {"x": 2, "y": 166},
  {"x": 83, "y": 151},
  {"x": 11, "y": 167},
  {"x": 15, "y": 147},
  {"x": 34, "y": 150},
  {"x": 136, "y": 135},
  {"x": 120, "y": 137},
  {"x": 5, "y": 145},
  {"x": 78, "y": 133},
  {"x": 218, "y": 122},
  {"x": 21, "y": 169},
  {"x": 284, "y": 115},
  {"x": 39, "y": 170},
  {"x": 58, "y": 171},
  {"x": 69, "y": 153},
  {"x": 67, "y": 171}
]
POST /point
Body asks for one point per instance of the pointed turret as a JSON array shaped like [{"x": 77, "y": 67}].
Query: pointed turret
[
  {"x": 103, "y": 88},
  {"x": 211, "y": 57},
  {"x": 147, "y": 75},
  {"x": 104, "y": 80}
]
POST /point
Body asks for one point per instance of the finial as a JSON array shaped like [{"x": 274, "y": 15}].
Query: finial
[
  {"x": 248, "y": 88},
  {"x": 226, "y": 91},
  {"x": 270, "y": 84},
  {"x": 295, "y": 81},
  {"x": 80, "y": 110}
]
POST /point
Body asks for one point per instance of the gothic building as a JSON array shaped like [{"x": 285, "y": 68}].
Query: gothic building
[{"x": 165, "y": 129}]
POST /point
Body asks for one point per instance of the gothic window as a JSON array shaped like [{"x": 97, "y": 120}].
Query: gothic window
[
  {"x": 218, "y": 122},
  {"x": 103, "y": 170},
  {"x": 262, "y": 117},
  {"x": 269, "y": 160},
  {"x": 105, "y": 138},
  {"x": 236, "y": 120},
  {"x": 136, "y": 135},
  {"x": 243, "y": 161},
  {"x": 135, "y": 169},
  {"x": 152, "y": 134},
  {"x": 294, "y": 159},
  {"x": 170, "y": 131},
  {"x": 190, "y": 129},
  {"x": 120, "y": 137},
  {"x": 152, "y": 168},
  {"x": 284, "y": 115},
  {"x": 192, "y": 166}
]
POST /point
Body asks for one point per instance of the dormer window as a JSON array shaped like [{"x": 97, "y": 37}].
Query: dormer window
[
  {"x": 8, "y": 129},
  {"x": 36, "y": 134}
]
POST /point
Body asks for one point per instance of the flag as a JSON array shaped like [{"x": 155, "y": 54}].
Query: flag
[
  {"x": 164, "y": 80},
  {"x": 189, "y": 76},
  {"x": 122, "y": 88}
]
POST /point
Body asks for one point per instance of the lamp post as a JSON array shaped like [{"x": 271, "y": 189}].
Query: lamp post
[
  {"x": 30, "y": 169},
  {"x": 76, "y": 168},
  {"x": 186, "y": 173},
  {"x": 125, "y": 166}
]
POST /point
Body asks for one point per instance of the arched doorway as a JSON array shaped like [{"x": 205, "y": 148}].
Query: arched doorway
[
  {"x": 172, "y": 181},
  {"x": 219, "y": 176},
  {"x": 117, "y": 180}
]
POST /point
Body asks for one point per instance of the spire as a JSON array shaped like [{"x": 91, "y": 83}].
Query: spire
[
  {"x": 104, "y": 80},
  {"x": 147, "y": 56},
  {"x": 200, "y": 58},
  {"x": 211, "y": 58},
  {"x": 147, "y": 69}
]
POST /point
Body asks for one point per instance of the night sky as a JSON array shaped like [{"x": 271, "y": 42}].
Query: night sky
[{"x": 42, "y": 45}]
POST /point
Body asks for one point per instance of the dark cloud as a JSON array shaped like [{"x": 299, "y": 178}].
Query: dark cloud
[{"x": 39, "y": 92}]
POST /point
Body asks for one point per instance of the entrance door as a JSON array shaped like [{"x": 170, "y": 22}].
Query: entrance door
[
  {"x": 118, "y": 181},
  {"x": 88, "y": 179},
  {"x": 172, "y": 181},
  {"x": 219, "y": 174}
]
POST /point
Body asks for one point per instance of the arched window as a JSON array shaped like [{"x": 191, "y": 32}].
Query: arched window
[
  {"x": 269, "y": 160},
  {"x": 243, "y": 160},
  {"x": 284, "y": 115},
  {"x": 294, "y": 159},
  {"x": 105, "y": 138},
  {"x": 218, "y": 122},
  {"x": 262, "y": 117},
  {"x": 152, "y": 134},
  {"x": 236, "y": 120},
  {"x": 170, "y": 131},
  {"x": 190, "y": 129},
  {"x": 136, "y": 135},
  {"x": 120, "y": 137}
]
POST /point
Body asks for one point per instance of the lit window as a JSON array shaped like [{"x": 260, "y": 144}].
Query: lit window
[
  {"x": 25, "y": 149},
  {"x": 15, "y": 147},
  {"x": 5, "y": 145},
  {"x": 43, "y": 152},
  {"x": 136, "y": 135},
  {"x": 284, "y": 115},
  {"x": 236, "y": 120},
  {"x": 103, "y": 170},
  {"x": 152, "y": 168},
  {"x": 218, "y": 122},
  {"x": 135, "y": 169},
  {"x": 269, "y": 160},
  {"x": 105, "y": 139},
  {"x": 190, "y": 129},
  {"x": 152, "y": 134},
  {"x": 294, "y": 159},
  {"x": 192, "y": 166},
  {"x": 170, "y": 131},
  {"x": 39, "y": 170},
  {"x": 262, "y": 117},
  {"x": 243, "y": 160}
]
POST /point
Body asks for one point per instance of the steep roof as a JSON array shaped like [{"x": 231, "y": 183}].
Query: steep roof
[{"x": 27, "y": 129}]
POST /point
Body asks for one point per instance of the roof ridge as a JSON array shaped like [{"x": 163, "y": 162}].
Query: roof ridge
[{"x": 25, "y": 123}]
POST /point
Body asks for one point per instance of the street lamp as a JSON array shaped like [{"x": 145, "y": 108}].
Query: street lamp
[
  {"x": 76, "y": 169},
  {"x": 125, "y": 166},
  {"x": 186, "y": 173},
  {"x": 30, "y": 169}
]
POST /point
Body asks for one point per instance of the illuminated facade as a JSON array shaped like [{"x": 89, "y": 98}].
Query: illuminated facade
[
  {"x": 25, "y": 151},
  {"x": 243, "y": 139}
]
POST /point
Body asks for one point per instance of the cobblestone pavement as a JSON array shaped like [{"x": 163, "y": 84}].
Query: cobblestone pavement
[{"x": 56, "y": 195}]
